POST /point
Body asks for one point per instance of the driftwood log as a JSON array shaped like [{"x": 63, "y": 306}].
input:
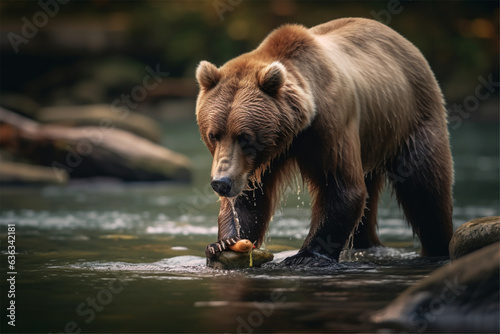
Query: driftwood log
[
  {"x": 22, "y": 173},
  {"x": 96, "y": 114},
  {"x": 90, "y": 151}
]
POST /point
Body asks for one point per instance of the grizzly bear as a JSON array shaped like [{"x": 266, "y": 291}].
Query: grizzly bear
[{"x": 349, "y": 104}]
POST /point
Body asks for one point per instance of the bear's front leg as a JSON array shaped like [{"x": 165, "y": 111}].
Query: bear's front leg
[
  {"x": 243, "y": 217},
  {"x": 338, "y": 206},
  {"x": 229, "y": 231}
]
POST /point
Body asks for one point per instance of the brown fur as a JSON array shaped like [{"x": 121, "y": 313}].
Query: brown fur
[{"x": 347, "y": 103}]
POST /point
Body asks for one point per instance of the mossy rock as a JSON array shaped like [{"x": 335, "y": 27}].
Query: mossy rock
[
  {"x": 234, "y": 260},
  {"x": 474, "y": 235}
]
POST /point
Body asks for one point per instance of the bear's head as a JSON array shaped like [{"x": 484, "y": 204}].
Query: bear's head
[{"x": 248, "y": 113}]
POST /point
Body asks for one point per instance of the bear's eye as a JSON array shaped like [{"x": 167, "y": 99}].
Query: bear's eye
[
  {"x": 213, "y": 137},
  {"x": 245, "y": 140}
]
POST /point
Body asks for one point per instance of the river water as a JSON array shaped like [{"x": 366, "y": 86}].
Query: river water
[{"x": 104, "y": 256}]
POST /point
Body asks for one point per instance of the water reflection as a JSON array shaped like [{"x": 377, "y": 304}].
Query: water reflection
[{"x": 73, "y": 241}]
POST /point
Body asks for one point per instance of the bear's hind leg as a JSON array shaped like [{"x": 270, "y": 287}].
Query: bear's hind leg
[
  {"x": 422, "y": 176},
  {"x": 365, "y": 236}
]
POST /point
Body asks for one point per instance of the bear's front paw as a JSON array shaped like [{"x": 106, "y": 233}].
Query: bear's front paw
[
  {"x": 220, "y": 246},
  {"x": 308, "y": 259}
]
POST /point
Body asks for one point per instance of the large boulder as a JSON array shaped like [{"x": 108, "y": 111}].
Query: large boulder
[
  {"x": 90, "y": 151},
  {"x": 460, "y": 297},
  {"x": 474, "y": 235},
  {"x": 97, "y": 114}
]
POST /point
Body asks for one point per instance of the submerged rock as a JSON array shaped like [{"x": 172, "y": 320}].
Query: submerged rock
[
  {"x": 460, "y": 297},
  {"x": 235, "y": 260},
  {"x": 474, "y": 235}
]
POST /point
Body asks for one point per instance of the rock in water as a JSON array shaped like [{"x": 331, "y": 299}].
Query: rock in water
[
  {"x": 474, "y": 235},
  {"x": 90, "y": 151},
  {"x": 235, "y": 260},
  {"x": 460, "y": 297}
]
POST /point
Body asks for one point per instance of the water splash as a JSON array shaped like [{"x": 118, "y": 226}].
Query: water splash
[
  {"x": 379, "y": 255},
  {"x": 235, "y": 215}
]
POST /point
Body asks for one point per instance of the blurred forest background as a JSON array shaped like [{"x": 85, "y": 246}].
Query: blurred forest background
[
  {"x": 93, "y": 92},
  {"x": 73, "y": 53}
]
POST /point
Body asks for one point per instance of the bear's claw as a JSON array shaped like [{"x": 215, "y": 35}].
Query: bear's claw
[{"x": 219, "y": 246}]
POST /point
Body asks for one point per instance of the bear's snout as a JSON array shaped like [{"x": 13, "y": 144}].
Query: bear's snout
[{"x": 222, "y": 186}]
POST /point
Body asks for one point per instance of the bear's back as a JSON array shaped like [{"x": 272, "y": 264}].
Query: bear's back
[
  {"x": 388, "y": 77},
  {"x": 385, "y": 68}
]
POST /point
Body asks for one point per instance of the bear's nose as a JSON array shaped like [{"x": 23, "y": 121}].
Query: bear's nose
[{"x": 222, "y": 186}]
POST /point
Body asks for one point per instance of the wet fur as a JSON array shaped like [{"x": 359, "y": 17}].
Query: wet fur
[{"x": 358, "y": 106}]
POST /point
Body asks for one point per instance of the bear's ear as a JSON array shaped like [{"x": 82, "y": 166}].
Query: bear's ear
[
  {"x": 271, "y": 78},
  {"x": 207, "y": 75}
]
